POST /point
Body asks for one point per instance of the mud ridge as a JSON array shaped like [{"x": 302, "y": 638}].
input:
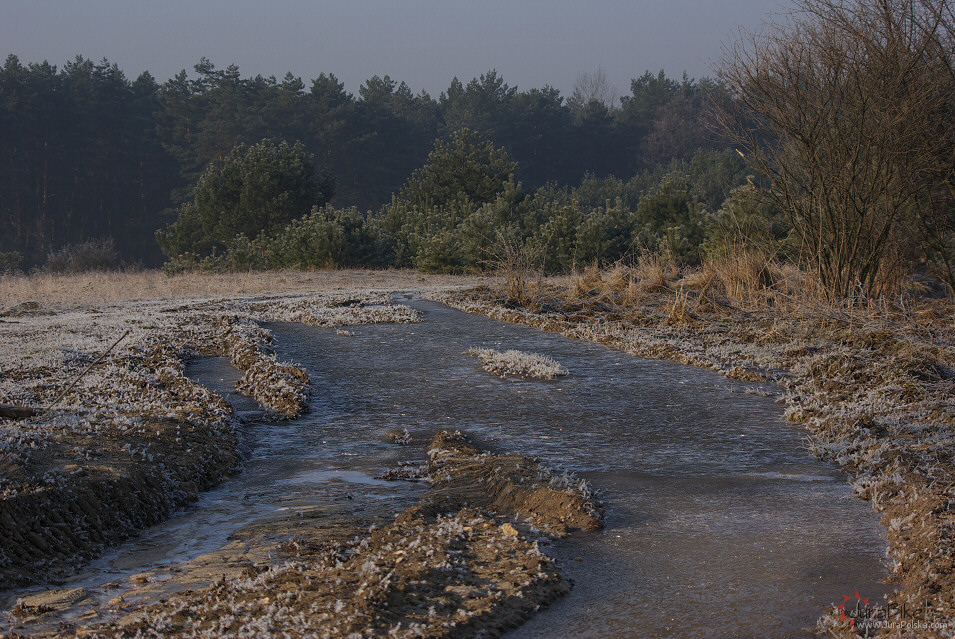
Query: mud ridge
[
  {"x": 136, "y": 439},
  {"x": 78, "y": 509},
  {"x": 462, "y": 562}
]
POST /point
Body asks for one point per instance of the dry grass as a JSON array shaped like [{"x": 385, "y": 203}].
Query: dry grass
[
  {"x": 88, "y": 289},
  {"x": 741, "y": 284}
]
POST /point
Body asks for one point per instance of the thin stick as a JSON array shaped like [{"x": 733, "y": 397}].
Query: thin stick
[{"x": 80, "y": 376}]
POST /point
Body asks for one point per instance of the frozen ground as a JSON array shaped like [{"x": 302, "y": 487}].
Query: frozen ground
[
  {"x": 120, "y": 438},
  {"x": 121, "y": 446},
  {"x": 134, "y": 438}
]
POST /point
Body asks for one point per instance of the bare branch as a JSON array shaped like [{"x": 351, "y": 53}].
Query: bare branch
[{"x": 846, "y": 108}]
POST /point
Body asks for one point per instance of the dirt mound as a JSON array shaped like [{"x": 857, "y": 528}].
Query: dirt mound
[
  {"x": 282, "y": 388},
  {"x": 458, "y": 576},
  {"x": 463, "y": 476},
  {"x": 137, "y": 477},
  {"x": 135, "y": 442},
  {"x": 46, "y": 530}
]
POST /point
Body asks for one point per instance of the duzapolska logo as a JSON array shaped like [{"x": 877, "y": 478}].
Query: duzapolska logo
[
  {"x": 856, "y": 612},
  {"x": 852, "y": 608}
]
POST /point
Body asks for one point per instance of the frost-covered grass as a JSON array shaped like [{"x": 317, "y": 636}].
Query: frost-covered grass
[
  {"x": 519, "y": 363},
  {"x": 335, "y": 310},
  {"x": 134, "y": 438}
]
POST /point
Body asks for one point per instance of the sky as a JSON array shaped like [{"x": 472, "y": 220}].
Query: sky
[{"x": 425, "y": 43}]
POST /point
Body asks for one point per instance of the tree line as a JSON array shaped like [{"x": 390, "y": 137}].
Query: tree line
[
  {"x": 836, "y": 130},
  {"x": 87, "y": 154}
]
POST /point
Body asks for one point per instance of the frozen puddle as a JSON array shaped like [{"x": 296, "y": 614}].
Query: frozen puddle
[{"x": 718, "y": 521}]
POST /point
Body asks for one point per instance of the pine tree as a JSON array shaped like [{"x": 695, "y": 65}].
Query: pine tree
[{"x": 256, "y": 189}]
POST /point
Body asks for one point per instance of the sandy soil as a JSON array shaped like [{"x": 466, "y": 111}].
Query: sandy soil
[{"x": 875, "y": 390}]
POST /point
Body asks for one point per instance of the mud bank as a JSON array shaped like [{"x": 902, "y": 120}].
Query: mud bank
[
  {"x": 878, "y": 398},
  {"x": 462, "y": 562},
  {"x": 134, "y": 439}
]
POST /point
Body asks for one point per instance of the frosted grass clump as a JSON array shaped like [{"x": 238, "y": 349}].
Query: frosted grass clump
[
  {"x": 518, "y": 363},
  {"x": 335, "y": 310}
]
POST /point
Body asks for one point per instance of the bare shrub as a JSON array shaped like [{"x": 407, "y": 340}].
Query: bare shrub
[
  {"x": 517, "y": 262},
  {"x": 846, "y": 109},
  {"x": 91, "y": 255},
  {"x": 593, "y": 86}
]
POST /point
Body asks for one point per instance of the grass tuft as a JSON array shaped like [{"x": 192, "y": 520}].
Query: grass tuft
[{"x": 518, "y": 363}]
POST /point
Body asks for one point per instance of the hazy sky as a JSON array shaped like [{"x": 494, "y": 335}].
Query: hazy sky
[{"x": 422, "y": 42}]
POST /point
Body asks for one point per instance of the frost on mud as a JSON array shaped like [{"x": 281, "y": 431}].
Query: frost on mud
[
  {"x": 134, "y": 439},
  {"x": 463, "y": 562},
  {"x": 518, "y": 363}
]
